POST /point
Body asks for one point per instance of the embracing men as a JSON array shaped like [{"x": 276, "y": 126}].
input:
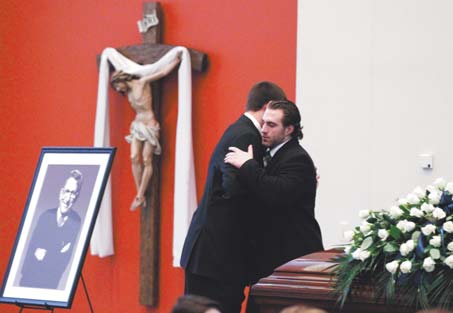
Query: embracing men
[
  {"x": 250, "y": 218},
  {"x": 284, "y": 191}
]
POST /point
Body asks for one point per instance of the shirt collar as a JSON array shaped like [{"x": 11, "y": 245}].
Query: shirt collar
[
  {"x": 254, "y": 121},
  {"x": 60, "y": 218},
  {"x": 274, "y": 150}
]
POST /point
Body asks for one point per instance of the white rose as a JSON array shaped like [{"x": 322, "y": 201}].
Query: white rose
[
  {"x": 450, "y": 246},
  {"x": 404, "y": 250},
  {"x": 365, "y": 228},
  {"x": 395, "y": 212},
  {"x": 428, "y": 208},
  {"x": 434, "y": 197},
  {"x": 416, "y": 212},
  {"x": 429, "y": 264},
  {"x": 428, "y": 229},
  {"x": 439, "y": 214},
  {"x": 412, "y": 198},
  {"x": 431, "y": 188},
  {"x": 364, "y": 254},
  {"x": 383, "y": 234},
  {"x": 410, "y": 244},
  {"x": 410, "y": 226},
  {"x": 392, "y": 267},
  {"x": 406, "y": 267},
  {"x": 364, "y": 213},
  {"x": 356, "y": 254},
  {"x": 449, "y": 261},
  {"x": 401, "y": 225},
  {"x": 348, "y": 235},
  {"x": 347, "y": 249},
  {"x": 419, "y": 192},
  {"x": 407, "y": 247},
  {"x": 434, "y": 254},
  {"x": 405, "y": 226},
  {"x": 402, "y": 201},
  {"x": 440, "y": 183},
  {"x": 448, "y": 227},
  {"x": 435, "y": 241},
  {"x": 449, "y": 188}
]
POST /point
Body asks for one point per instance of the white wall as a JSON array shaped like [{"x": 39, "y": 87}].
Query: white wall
[{"x": 375, "y": 89}]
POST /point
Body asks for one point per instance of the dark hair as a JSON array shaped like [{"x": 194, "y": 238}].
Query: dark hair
[
  {"x": 291, "y": 115},
  {"x": 261, "y": 93},
  {"x": 194, "y": 304},
  {"x": 120, "y": 77}
]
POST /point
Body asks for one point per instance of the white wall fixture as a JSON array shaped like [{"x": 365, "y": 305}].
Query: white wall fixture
[{"x": 425, "y": 161}]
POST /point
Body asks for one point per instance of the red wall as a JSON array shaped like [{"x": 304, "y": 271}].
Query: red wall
[{"x": 48, "y": 82}]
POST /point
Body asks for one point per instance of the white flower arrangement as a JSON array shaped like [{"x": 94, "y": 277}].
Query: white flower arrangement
[{"x": 407, "y": 248}]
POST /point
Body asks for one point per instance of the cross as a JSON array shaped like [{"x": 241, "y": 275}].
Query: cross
[{"x": 149, "y": 52}]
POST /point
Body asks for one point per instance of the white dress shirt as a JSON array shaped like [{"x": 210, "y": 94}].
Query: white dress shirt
[{"x": 254, "y": 121}]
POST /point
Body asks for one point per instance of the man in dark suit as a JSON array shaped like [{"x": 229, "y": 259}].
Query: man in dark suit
[
  {"x": 214, "y": 252},
  {"x": 53, "y": 240},
  {"x": 285, "y": 190}
]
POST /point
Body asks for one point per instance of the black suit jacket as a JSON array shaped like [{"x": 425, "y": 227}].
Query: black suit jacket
[
  {"x": 285, "y": 226},
  {"x": 215, "y": 245}
]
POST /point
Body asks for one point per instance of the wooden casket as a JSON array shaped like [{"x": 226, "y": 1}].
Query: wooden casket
[{"x": 309, "y": 280}]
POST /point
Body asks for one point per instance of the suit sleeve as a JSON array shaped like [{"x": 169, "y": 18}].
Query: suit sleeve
[
  {"x": 230, "y": 182},
  {"x": 293, "y": 176},
  {"x": 36, "y": 241}
]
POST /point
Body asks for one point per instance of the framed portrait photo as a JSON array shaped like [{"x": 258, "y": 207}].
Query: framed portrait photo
[{"x": 56, "y": 226}]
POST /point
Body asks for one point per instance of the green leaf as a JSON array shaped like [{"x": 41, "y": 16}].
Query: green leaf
[
  {"x": 375, "y": 248},
  {"x": 405, "y": 208},
  {"x": 395, "y": 232},
  {"x": 442, "y": 289},
  {"x": 346, "y": 273},
  {"x": 366, "y": 243},
  {"x": 415, "y": 236},
  {"x": 391, "y": 247},
  {"x": 387, "y": 218}
]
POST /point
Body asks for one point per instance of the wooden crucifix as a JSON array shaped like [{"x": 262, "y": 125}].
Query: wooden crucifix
[{"x": 147, "y": 53}]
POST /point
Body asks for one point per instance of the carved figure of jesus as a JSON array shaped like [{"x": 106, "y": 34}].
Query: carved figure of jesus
[{"x": 144, "y": 129}]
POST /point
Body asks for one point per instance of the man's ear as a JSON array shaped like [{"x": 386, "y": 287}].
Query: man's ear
[{"x": 289, "y": 130}]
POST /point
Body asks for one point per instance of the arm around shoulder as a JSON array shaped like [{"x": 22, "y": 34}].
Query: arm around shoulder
[{"x": 292, "y": 176}]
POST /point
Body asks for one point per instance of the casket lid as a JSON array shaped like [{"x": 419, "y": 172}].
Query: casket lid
[
  {"x": 309, "y": 276},
  {"x": 310, "y": 280}
]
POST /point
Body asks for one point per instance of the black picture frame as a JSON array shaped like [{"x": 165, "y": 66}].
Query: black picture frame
[{"x": 64, "y": 198}]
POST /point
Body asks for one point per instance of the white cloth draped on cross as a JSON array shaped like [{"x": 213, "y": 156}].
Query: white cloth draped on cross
[{"x": 184, "y": 183}]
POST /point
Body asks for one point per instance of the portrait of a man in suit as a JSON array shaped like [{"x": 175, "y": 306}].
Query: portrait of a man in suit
[{"x": 53, "y": 239}]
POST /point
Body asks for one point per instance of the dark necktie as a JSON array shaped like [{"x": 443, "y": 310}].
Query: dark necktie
[{"x": 267, "y": 157}]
